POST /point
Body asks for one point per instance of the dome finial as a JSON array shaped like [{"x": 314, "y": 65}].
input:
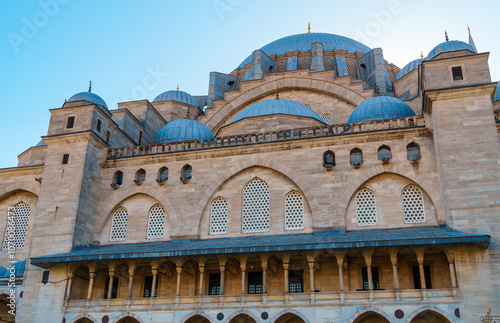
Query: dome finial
[
  {"x": 421, "y": 54},
  {"x": 177, "y": 86},
  {"x": 308, "y": 27},
  {"x": 471, "y": 41},
  {"x": 468, "y": 29},
  {"x": 446, "y": 36},
  {"x": 277, "y": 93},
  {"x": 90, "y": 86}
]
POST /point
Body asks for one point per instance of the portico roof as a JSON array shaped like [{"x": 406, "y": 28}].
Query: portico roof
[{"x": 417, "y": 236}]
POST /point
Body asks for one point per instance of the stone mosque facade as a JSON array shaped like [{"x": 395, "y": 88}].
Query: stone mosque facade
[{"x": 316, "y": 182}]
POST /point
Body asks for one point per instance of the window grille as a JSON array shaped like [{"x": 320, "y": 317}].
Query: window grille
[
  {"x": 457, "y": 73},
  {"x": 17, "y": 226},
  {"x": 218, "y": 216},
  {"x": 327, "y": 118},
  {"x": 114, "y": 288},
  {"x": 294, "y": 211},
  {"x": 119, "y": 225},
  {"x": 328, "y": 64},
  {"x": 413, "y": 204},
  {"x": 375, "y": 279},
  {"x": 281, "y": 66},
  {"x": 304, "y": 64},
  {"x": 45, "y": 276},
  {"x": 366, "y": 208},
  {"x": 65, "y": 159},
  {"x": 70, "y": 123},
  {"x": 256, "y": 203},
  {"x": 214, "y": 284},
  {"x": 295, "y": 281},
  {"x": 148, "y": 286},
  {"x": 255, "y": 282},
  {"x": 156, "y": 222},
  {"x": 351, "y": 68}
]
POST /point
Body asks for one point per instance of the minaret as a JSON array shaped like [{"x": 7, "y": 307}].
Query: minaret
[{"x": 308, "y": 27}]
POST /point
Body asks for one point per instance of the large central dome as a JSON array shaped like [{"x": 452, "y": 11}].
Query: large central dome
[{"x": 303, "y": 42}]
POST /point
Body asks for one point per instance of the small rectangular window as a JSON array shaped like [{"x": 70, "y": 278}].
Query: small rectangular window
[
  {"x": 114, "y": 288},
  {"x": 65, "y": 159},
  {"x": 148, "y": 286},
  {"x": 45, "y": 276},
  {"x": 416, "y": 276},
  {"x": 214, "y": 284},
  {"x": 457, "y": 73},
  {"x": 255, "y": 282},
  {"x": 99, "y": 125},
  {"x": 108, "y": 136},
  {"x": 375, "y": 279},
  {"x": 70, "y": 123},
  {"x": 296, "y": 281}
]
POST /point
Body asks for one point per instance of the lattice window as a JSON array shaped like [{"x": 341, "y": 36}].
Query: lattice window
[
  {"x": 281, "y": 66},
  {"x": 304, "y": 64},
  {"x": 328, "y": 63},
  {"x": 256, "y": 203},
  {"x": 294, "y": 211},
  {"x": 119, "y": 225},
  {"x": 366, "y": 208},
  {"x": 351, "y": 68},
  {"x": 413, "y": 204},
  {"x": 218, "y": 216},
  {"x": 15, "y": 234},
  {"x": 327, "y": 118},
  {"x": 156, "y": 222}
]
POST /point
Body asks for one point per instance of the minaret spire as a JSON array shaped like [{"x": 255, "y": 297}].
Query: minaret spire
[
  {"x": 471, "y": 41},
  {"x": 177, "y": 86},
  {"x": 90, "y": 86},
  {"x": 277, "y": 93},
  {"x": 421, "y": 54},
  {"x": 308, "y": 27},
  {"x": 446, "y": 36}
]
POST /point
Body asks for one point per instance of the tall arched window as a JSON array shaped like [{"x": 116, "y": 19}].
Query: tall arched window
[
  {"x": 366, "y": 208},
  {"x": 156, "y": 222},
  {"x": 294, "y": 211},
  {"x": 218, "y": 216},
  {"x": 18, "y": 220},
  {"x": 119, "y": 225},
  {"x": 256, "y": 203},
  {"x": 413, "y": 204}
]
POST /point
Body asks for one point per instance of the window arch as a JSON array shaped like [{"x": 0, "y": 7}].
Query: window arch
[
  {"x": 156, "y": 222},
  {"x": 119, "y": 225},
  {"x": 328, "y": 159},
  {"x": 294, "y": 211},
  {"x": 384, "y": 153},
  {"x": 413, "y": 204},
  {"x": 186, "y": 173},
  {"x": 117, "y": 179},
  {"x": 140, "y": 176},
  {"x": 162, "y": 175},
  {"x": 328, "y": 64},
  {"x": 256, "y": 204},
  {"x": 413, "y": 152},
  {"x": 356, "y": 157},
  {"x": 366, "y": 208},
  {"x": 218, "y": 216},
  {"x": 15, "y": 235}
]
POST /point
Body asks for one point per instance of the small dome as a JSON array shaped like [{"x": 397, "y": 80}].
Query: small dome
[
  {"x": 303, "y": 43},
  {"x": 379, "y": 108},
  {"x": 413, "y": 65},
  {"x": 450, "y": 46},
  {"x": 497, "y": 93},
  {"x": 179, "y": 96},
  {"x": 277, "y": 106},
  {"x": 183, "y": 129},
  {"x": 89, "y": 97}
]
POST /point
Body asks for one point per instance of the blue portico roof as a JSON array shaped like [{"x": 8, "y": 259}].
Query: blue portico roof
[{"x": 275, "y": 243}]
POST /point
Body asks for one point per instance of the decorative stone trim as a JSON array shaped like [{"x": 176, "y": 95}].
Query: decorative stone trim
[
  {"x": 81, "y": 316},
  {"x": 195, "y": 313},
  {"x": 286, "y": 311},
  {"x": 429, "y": 308},
  {"x": 369, "y": 309},
  {"x": 232, "y": 316}
]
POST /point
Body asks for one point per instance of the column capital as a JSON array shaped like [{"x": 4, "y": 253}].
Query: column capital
[
  {"x": 393, "y": 254},
  {"x": 111, "y": 267},
  {"x": 155, "y": 264},
  {"x": 132, "y": 267},
  {"x": 367, "y": 253},
  {"x": 92, "y": 267},
  {"x": 419, "y": 252},
  {"x": 286, "y": 258}
]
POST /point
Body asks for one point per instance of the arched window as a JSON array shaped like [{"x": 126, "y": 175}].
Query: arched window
[
  {"x": 413, "y": 152},
  {"x": 328, "y": 160},
  {"x": 156, "y": 222},
  {"x": 140, "y": 176},
  {"x": 384, "y": 153},
  {"x": 366, "y": 208},
  {"x": 186, "y": 173},
  {"x": 162, "y": 175},
  {"x": 328, "y": 64},
  {"x": 256, "y": 204},
  {"x": 119, "y": 225},
  {"x": 18, "y": 220},
  {"x": 327, "y": 118},
  {"x": 117, "y": 179},
  {"x": 218, "y": 216},
  {"x": 294, "y": 211},
  {"x": 356, "y": 157},
  {"x": 413, "y": 204}
]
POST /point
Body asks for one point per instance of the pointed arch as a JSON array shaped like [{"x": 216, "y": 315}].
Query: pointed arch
[
  {"x": 196, "y": 313},
  {"x": 126, "y": 315},
  {"x": 219, "y": 216},
  {"x": 119, "y": 225},
  {"x": 15, "y": 188},
  {"x": 432, "y": 309},
  {"x": 83, "y": 316},
  {"x": 366, "y": 208},
  {"x": 256, "y": 212},
  {"x": 294, "y": 211},
  {"x": 287, "y": 311},
  {"x": 413, "y": 204},
  {"x": 156, "y": 222},
  {"x": 242, "y": 312},
  {"x": 369, "y": 309},
  {"x": 16, "y": 235}
]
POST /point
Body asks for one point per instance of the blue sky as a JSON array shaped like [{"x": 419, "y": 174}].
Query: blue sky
[{"x": 50, "y": 49}]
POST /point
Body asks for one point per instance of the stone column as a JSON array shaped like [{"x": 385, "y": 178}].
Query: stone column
[
  {"x": 367, "y": 253},
  {"x": 393, "y": 254},
  {"x": 222, "y": 278},
  {"x": 179, "y": 275},
  {"x": 111, "y": 276},
  {"x": 132, "y": 266},
  {"x": 264, "y": 260},
  {"x": 70, "y": 283},
  {"x": 340, "y": 262},
  {"x": 154, "y": 270},
  {"x": 243, "y": 266},
  {"x": 285, "y": 273},
  {"x": 419, "y": 252},
  {"x": 451, "y": 263},
  {"x": 202, "y": 281},
  {"x": 92, "y": 273}
]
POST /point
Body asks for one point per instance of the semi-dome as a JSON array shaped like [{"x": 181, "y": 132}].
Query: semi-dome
[
  {"x": 183, "y": 129},
  {"x": 176, "y": 95},
  {"x": 89, "y": 97},
  {"x": 450, "y": 46},
  {"x": 303, "y": 43},
  {"x": 277, "y": 106},
  {"x": 497, "y": 93},
  {"x": 379, "y": 108},
  {"x": 413, "y": 65}
]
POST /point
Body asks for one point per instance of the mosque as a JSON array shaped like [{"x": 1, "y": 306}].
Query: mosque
[{"x": 316, "y": 182}]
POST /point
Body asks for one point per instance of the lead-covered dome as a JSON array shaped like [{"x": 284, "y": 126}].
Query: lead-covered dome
[
  {"x": 183, "y": 129},
  {"x": 379, "y": 108},
  {"x": 277, "y": 106},
  {"x": 450, "y": 46},
  {"x": 303, "y": 43},
  {"x": 89, "y": 97},
  {"x": 413, "y": 65},
  {"x": 497, "y": 93},
  {"x": 176, "y": 95}
]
